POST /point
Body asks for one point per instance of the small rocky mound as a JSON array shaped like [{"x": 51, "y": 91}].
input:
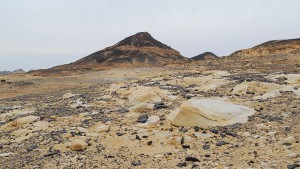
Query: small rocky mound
[
  {"x": 205, "y": 56},
  {"x": 140, "y": 48}
]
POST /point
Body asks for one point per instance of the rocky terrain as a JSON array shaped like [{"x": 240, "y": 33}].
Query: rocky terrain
[
  {"x": 140, "y": 104},
  {"x": 205, "y": 56},
  {"x": 189, "y": 117}
]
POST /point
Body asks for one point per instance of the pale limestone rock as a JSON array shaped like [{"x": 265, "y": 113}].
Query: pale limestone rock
[
  {"x": 68, "y": 95},
  {"x": 107, "y": 97},
  {"x": 209, "y": 112},
  {"x": 16, "y": 112},
  {"x": 21, "y": 132},
  {"x": 5, "y": 154},
  {"x": 24, "y": 120},
  {"x": 76, "y": 104},
  {"x": 263, "y": 90},
  {"x": 103, "y": 128},
  {"x": 158, "y": 156},
  {"x": 217, "y": 73},
  {"x": 152, "y": 119},
  {"x": 212, "y": 84},
  {"x": 142, "y": 107},
  {"x": 204, "y": 83},
  {"x": 82, "y": 130},
  {"x": 143, "y": 94},
  {"x": 291, "y": 79},
  {"x": 115, "y": 86},
  {"x": 203, "y": 135},
  {"x": 187, "y": 81},
  {"x": 246, "y": 134},
  {"x": 132, "y": 115},
  {"x": 289, "y": 139},
  {"x": 78, "y": 145}
]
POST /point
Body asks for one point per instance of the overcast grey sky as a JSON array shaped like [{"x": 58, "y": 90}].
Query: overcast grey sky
[{"x": 44, "y": 33}]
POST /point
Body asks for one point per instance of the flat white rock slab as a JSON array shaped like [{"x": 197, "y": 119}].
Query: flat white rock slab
[{"x": 210, "y": 112}]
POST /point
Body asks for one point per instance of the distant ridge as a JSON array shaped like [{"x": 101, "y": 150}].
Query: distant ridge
[
  {"x": 205, "y": 56},
  {"x": 276, "y": 49},
  {"x": 13, "y": 72}
]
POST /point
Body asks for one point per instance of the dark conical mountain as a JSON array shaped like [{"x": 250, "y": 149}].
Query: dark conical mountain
[
  {"x": 140, "y": 48},
  {"x": 205, "y": 56}
]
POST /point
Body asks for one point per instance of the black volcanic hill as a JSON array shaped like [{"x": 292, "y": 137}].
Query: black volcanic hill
[
  {"x": 138, "y": 49},
  {"x": 205, "y": 56}
]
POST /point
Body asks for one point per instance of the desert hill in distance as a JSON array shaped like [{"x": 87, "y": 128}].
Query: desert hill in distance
[
  {"x": 12, "y": 72},
  {"x": 205, "y": 56},
  {"x": 142, "y": 50},
  {"x": 275, "y": 49},
  {"x": 138, "y": 50},
  {"x": 279, "y": 55}
]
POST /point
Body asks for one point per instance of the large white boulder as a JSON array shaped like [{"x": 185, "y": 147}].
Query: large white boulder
[{"x": 209, "y": 112}]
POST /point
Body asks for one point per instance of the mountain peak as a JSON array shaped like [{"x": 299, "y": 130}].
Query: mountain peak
[
  {"x": 138, "y": 49},
  {"x": 142, "y": 39}
]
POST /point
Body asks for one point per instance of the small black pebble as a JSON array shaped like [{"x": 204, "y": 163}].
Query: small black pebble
[
  {"x": 186, "y": 146},
  {"x": 143, "y": 118},
  {"x": 119, "y": 134},
  {"x": 221, "y": 143},
  {"x": 192, "y": 159},
  {"x": 31, "y": 148},
  {"x": 123, "y": 110},
  {"x": 251, "y": 162},
  {"x": 287, "y": 144},
  {"x": 184, "y": 130},
  {"x": 215, "y": 131},
  {"x": 206, "y": 147},
  {"x": 293, "y": 166},
  {"x": 181, "y": 164},
  {"x": 223, "y": 135},
  {"x": 196, "y": 128},
  {"x": 232, "y": 134},
  {"x": 136, "y": 163}
]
